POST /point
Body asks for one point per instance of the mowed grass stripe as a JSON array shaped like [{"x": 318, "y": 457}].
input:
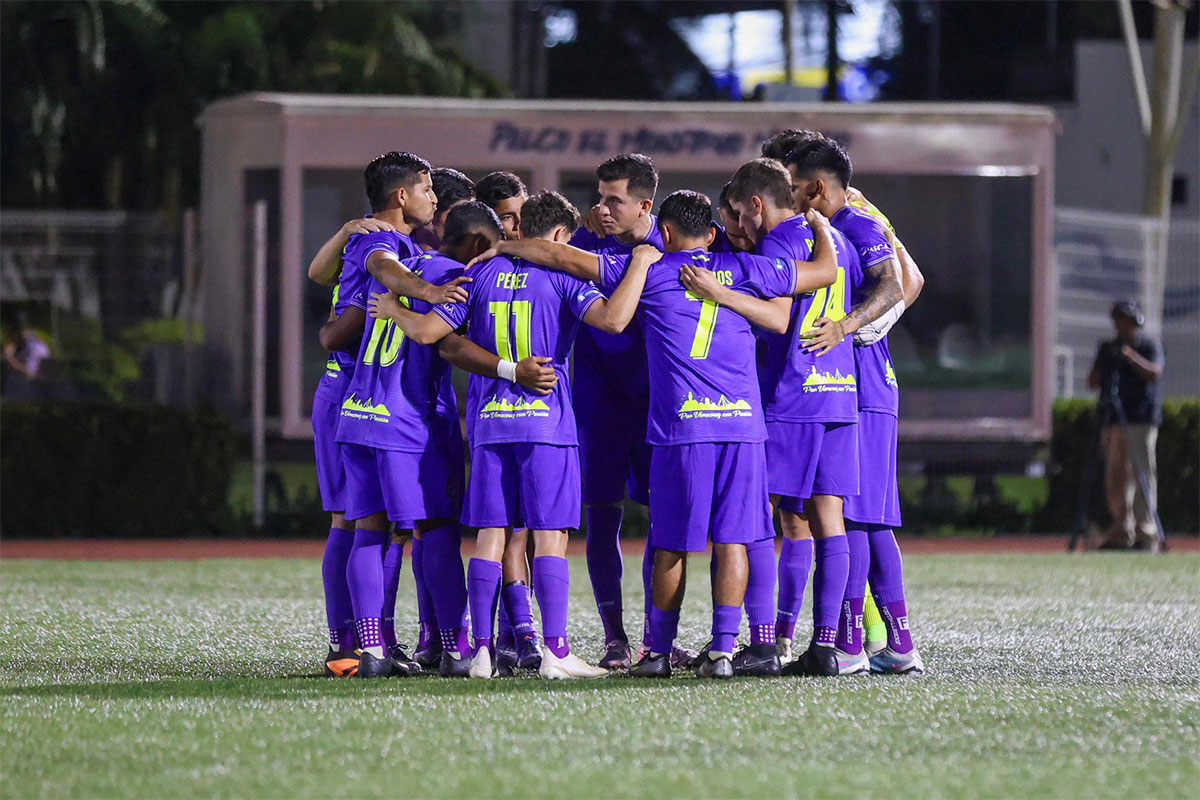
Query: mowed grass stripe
[{"x": 1049, "y": 676}]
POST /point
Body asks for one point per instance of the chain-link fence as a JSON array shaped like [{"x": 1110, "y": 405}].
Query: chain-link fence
[{"x": 1101, "y": 257}]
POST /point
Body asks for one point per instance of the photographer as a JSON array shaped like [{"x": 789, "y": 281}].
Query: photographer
[{"x": 1126, "y": 371}]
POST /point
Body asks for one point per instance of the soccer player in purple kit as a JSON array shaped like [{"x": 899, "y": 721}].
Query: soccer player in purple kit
[
  {"x": 811, "y": 411},
  {"x": 612, "y": 401},
  {"x": 708, "y": 472},
  {"x": 525, "y": 464},
  {"x": 821, "y": 172}
]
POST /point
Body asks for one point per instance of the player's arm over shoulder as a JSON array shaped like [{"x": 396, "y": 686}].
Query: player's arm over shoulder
[{"x": 614, "y": 314}]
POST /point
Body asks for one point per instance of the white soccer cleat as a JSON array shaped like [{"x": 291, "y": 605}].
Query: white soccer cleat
[
  {"x": 889, "y": 662},
  {"x": 481, "y": 664},
  {"x": 874, "y": 647},
  {"x": 569, "y": 666},
  {"x": 852, "y": 664},
  {"x": 783, "y": 649}
]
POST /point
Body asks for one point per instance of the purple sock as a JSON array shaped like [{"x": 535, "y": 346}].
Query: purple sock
[
  {"x": 364, "y": 575},
  {"x": 504, "y": 626},
  {"x": 664, "y": 626},
  {"x": 605, "y": 567},
  {"x": 426, "y": 616},
  {"x": 552, "y": 582},
  {"x": 829, "y": 587},
  {"x": 442, "y": 553},
  {"x": 850, "y": 621},
  {"x": 887, "y": 584},
  {"x": 725, "y": 623},
  {"x": 795, "y": 562},
  {"x": 648, "y": 593},
  {"x": 393, "y": 560},
  {"x": 515, "y": 597},
  {"x": 760, "y": 591},
  {"x": 338, "y": 611},
  {"x": 483, "y": 592}
]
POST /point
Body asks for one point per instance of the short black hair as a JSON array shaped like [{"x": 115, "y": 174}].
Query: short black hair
[
  {"x": 450, "y": 186},
  {"x": 824, "y": 155},
  {"x": 497, "y": 186},
  {"x": 764, "y": 177},
  {"x": 638, "y": 169},
  {"x": 545, "y": 211},
  {"x": 388, "y": 172},
  {"x": 690, "y": 212},
  {"x": 471, "y": 217},
  {"x": 723, "y": 200},
  {"x": 784, "y": 142}
]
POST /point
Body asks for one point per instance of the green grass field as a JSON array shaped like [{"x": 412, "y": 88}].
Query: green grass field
[{"x": 1049, "y": 676}]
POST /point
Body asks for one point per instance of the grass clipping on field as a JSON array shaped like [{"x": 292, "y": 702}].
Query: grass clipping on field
[{"x": 1048, "y": 676}]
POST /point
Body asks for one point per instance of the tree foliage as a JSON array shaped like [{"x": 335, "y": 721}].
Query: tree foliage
[{"x": 99, "y": 100}]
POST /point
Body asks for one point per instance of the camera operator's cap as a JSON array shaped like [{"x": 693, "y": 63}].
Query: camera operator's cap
[{"x": 1129, "y": 310}]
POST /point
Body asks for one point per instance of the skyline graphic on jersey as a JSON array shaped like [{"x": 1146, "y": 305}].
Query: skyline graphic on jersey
[
  {"x": 889, "y": 374},
  {"x": 707, "y": 406},
  {"x": 825, "y": 382},
  {"x": 352, "y": 403},
  {"x": 503, "y": 405}
]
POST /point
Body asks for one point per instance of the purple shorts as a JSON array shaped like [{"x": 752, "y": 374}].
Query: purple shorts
[
  {"x": 807, "y": 458},
  {"x": 708, "y": 491},
  {"x": 878, "y": 499},
  {"x": 331, "y": 473},
  {"x": 612, "y": 440},
  {"x": 523, "y": 484},
  {"x": 410, "y": 487}
]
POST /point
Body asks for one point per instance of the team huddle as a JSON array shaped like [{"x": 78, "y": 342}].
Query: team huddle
[{"x": 724, "y": 373}]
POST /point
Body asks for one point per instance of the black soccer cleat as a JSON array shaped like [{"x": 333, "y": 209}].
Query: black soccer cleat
[
  {"x": 398, "y": 655},
  {"x": 429, "y": 657},
  {"x": 652, "y": 666},
  {"x": 720, "y": 667},
  {"x": 817, "y": 660},
  {"x": 371, "y": 667},
  {"x": 341, "y": 664},
  {"x": 757, "y": 660},
  {"x": 616, "y": 655},
  {"x": 454, "y": 666}
]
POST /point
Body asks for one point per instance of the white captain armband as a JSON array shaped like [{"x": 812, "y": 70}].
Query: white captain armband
[
  {"x": 872, "y": 332},
  {"x": 507, "y": 370}
]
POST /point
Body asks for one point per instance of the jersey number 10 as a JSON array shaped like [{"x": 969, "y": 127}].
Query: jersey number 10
[{"x": 385, "y": 331}]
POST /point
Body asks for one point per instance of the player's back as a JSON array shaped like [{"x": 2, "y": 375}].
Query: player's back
[
  {"x": 518, "y": 309},
  {"x": 701, "y": 356},
  {"x": 400, "y": 391},
  {"x": 799, "y": 386}
]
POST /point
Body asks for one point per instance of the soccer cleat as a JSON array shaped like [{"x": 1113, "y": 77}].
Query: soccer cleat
[
  {"x": 616, "y": 655},
  {"x": 651, "y": 666},
  {"x": 683, "y": 657},
  {"x": 453, "y": 665},
  {"x": 401, "y": 658},
  {"x": 569, "y": 666},
  {"x": 341, "y": 664},
  {"x": 529, "y": 655},
  {"x": 757, "y": 660},
  {"x": 873, "y": 646},
  {"x": 430, "y": 656},
  {"x": 506, "y": 655},
  {"x": 851, "y": 663},
  {"x": 720, "y": 667},
  {"x": 482, "y": 665},
  {"x": 371, "y": 667},
  {"x": 783, "y": 649},
  {"x": 816, "y": 660},
  {"x": 889, "y": 662}
]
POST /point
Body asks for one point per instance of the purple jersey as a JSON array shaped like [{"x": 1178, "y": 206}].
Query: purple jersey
[
  {"x": 801, "y": 387},
  {"x": 400, "y": 393},
  {"x": 618, "y": 357},
  {"x": 877, "y": 386},
  {"x": 350, "y": 291},
  {"x": 516, "y": 310},
  {"x": 701, "y": 357}
]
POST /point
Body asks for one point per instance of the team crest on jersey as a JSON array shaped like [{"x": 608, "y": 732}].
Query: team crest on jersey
[
  {"x": 829, "y": 382},
  {"x": 503, "y": 408},
  {"x": 889, "y": 374},
  {"x": 364, "y": 409},
  {"x": 721, "y": 408}
]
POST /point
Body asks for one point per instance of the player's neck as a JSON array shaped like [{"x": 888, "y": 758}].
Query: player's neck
[
  {"x": 833, "y": 204},
  {"x": 638, "y": 233},
  {"x": 772, "y": 216},
  {"x": 395, "y": 216}
]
